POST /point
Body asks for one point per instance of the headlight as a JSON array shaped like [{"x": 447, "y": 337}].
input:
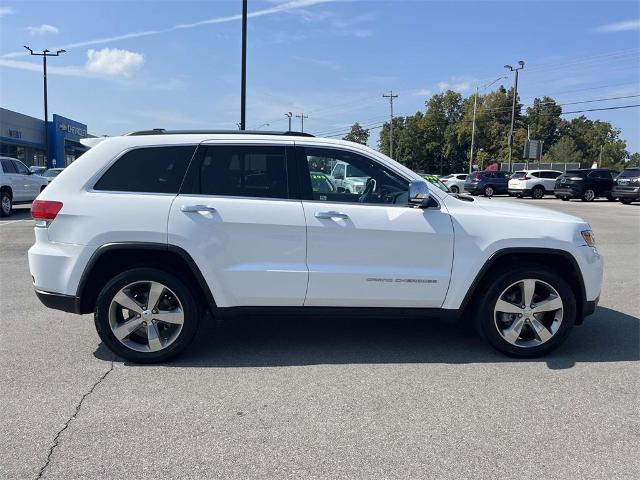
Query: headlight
[
  {"x": 589, "y": 238},
  {"x": 358, "y": 188}
]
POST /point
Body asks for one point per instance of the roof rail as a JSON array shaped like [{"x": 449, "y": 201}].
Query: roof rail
[{"x": 162, "y": 131}]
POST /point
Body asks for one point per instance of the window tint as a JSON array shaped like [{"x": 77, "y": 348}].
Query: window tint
[
  {"x": 366, "y": 181},
  {"x": 7, "y": 166},
  {"x": 600, "y": 174},
  {"x": 148, "y": 170},
  {"x": 21, "y": 168},
  {"x": 630, "y": 173},
  {"x": 462, "y": 177},
  {"x": 239, "y": 171}
]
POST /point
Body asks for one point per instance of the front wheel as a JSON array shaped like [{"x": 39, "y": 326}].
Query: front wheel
[
  {"x": 537, "y": 193},
  {"x": 626, "y": 201},
  {"x": 6, "y": 204},
  {"x": 488, "y": 191},
  {"x": 146, "y": 315},
  {"x": 455, "y": 189},
  {"x": 527, "y": 311},
  {"x": 588, "y": 195}
]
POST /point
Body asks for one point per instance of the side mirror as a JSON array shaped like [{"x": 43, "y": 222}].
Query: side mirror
[{"x": 419, "y": 196}]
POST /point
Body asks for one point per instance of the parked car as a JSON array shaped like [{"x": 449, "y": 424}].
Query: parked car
[
  {"x": 348, "y": 178},
  {"x": 37, "y": 170},
  {"x": 153, "y": 228},
  {"x": 488, "y": 183},
  {"x": 435, "y": 180},
  {"x": 586, "y": 184},
  {"x": 52, "y": 173},
  {"x": 534, "y": 183},
  {"x": 626, "y": 186},
  {"x": 17, "y": 184},
  {"x": 454, "y": 181},
  {"x": 321, "y": 183}
]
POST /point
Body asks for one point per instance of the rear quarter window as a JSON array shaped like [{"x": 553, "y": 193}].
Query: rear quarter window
[{"x": 148, "y": 170}]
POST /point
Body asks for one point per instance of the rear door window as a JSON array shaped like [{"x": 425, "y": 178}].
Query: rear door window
[
  {"x": 21, "y": 168},
  {"x": 148, "y": 170},
  {"x": 7, "y": 166},
  {"x": 240, "y": 171}
]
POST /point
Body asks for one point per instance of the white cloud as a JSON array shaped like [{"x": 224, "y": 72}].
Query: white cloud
[
  {"x": 455, "y": 86},
  {"x": 624, "y": 26},
  {"x": 113, "y": 61},
  {"x": 42, "y": 29},
  {"x": 281, "y": 7},
  {"x": 423, "y": 92},
  {"x": 4, "y": 11}
]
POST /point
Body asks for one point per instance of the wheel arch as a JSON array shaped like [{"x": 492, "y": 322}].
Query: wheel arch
[
  {"x": 113, "y": 258},
  {"x": 7, "y": 188},
  {"x": 559, "y": 260}
]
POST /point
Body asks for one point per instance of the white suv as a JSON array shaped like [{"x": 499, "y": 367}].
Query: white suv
[
  {"x": 455, "y": 181},
  {"x": 150, "y": 230},
  {"x": 18, "y": 184},
  {"x": 534, "y": 183}
]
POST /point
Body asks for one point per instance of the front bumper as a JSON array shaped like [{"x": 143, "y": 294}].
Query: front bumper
[
  {"x": 592, "y": 269},
  {"x": 626, "y": 192}
]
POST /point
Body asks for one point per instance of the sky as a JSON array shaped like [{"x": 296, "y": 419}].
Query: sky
[{"x": 134, "y": 65}]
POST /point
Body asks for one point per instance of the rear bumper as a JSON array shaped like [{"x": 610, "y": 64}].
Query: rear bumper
[
  {"x": 567, "y": 192},
  {"x": 59, "y": 301},
  {"x": 519, "y": 191}
]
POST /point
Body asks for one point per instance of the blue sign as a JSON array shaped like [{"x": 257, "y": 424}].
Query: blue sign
[{"x": 64, "y": 140}]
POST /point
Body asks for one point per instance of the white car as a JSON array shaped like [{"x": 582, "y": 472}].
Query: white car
[
  {"x": 18, "y": 184},
  {"x": 150, "y": 230},
  {"x": 348, "y": 178},
  {"x": 454, "y": 181},
  {"x": 534, "y": 183}
]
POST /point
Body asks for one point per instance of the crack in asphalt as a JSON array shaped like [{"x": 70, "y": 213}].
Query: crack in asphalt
[{"x": 54, "y": 444}]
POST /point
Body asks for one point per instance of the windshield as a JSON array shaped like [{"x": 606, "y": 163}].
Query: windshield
[
  {"x": 436, "y": 181},
  {"x": 320, "y": 183},
  {"x": 630, "y": 173},
  {"x": 51, "y": 173},
  {"x": 354, "y": 172}
]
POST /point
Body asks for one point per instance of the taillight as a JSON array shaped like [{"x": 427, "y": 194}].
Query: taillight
[
  {"x": 444, "y": 180},
  {"x": 478, "y": 176},
  {"x": 45, "y": 209},
  {"x": 526, "y": 178}
]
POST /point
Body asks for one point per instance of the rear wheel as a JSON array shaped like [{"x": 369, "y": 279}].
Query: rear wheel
[
  {"x": 455, "y": 189},
  {"x": 146, "y": 315},
  {"x": 564, "y": 199},
  {"x": 626, "y": 201},
  {"x": 588, "y": 195},
  {"x": 537, "y": 192},
  {"x": 488, "y": 191},
  {"x": 527, "y": 311},
  {"x": 6, "y": 204}
]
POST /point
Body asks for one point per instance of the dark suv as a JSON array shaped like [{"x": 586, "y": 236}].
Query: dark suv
[
  {"x": 487, "y": 183},
  {"x": 586, "y": 184},
  {"x": 626, "y": 186}
]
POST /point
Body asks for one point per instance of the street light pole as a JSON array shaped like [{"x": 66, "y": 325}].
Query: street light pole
[
  {"x": 243, "y": 81},
  {"x": 473, "y": 125},
  {"x": 289, "y": 115},
  {"x": 44, "y": 54},
  {"x": 513, "y": 106}
]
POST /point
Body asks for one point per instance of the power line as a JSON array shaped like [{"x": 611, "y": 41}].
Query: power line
[{"x": 302, "y": 116}]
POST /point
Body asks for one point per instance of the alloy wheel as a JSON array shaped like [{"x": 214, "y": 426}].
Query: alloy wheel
[
  {"x": 528, "y": 313},
  {"x": 488, "y": 191},
  {"x": 589, "y": 195},
  {"x": 6, "y": 204},
  {"x": 146, "y": 316}
]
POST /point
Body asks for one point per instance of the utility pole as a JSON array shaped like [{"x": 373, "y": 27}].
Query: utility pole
[
  {"x": 289, "y": 115},
  {"x": 44, "y": 54},
  {"x": 391, "y": 96},
  {"x": 600, "y": 156},
  {"x": 513, "y": 107},
  {"x": 302, "y": 116},
  {"x": 243, "y": 81}
]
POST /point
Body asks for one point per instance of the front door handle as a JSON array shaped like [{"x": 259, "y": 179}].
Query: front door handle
[
  {"x": 330, "y": 215},
  {"x": 197, "y": 208}
]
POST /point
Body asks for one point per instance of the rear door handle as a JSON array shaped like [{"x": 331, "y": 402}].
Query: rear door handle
[
  {"x": 331, "y": 215},
  {"x": 197, "y": 208}
]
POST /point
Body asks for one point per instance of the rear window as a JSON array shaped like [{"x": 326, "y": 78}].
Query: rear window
[
  {"x": 148, "y": 170},
  {"x": 518, "y": 175},
  {"x": 576, "y": 173},
  {"x": 630, "y": 173}
]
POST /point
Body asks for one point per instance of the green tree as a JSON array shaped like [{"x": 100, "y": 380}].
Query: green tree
[
  {"x": 564, "y": 150},
  {"x": 544, "y": 121},
  {"x": 357, "y": 134},
  {"x": 634, "y": 160}
]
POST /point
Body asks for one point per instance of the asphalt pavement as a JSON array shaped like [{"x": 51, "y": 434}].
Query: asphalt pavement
[{"x": 327, "y": 398}]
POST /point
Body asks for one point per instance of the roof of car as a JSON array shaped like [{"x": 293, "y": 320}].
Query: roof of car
[{"x": 162, "y": 131}]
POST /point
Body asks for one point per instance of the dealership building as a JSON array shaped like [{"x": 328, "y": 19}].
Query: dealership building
[{"x": 23, "y": 137}]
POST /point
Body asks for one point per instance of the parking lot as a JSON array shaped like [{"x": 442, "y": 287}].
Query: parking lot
[{"x": 327, "y": 398}]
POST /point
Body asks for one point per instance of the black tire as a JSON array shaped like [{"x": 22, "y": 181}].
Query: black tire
[
  {"x": 488, "y": 191},
  {"x": 455, "y": 189},
  {"x": 6, "y": 204},
  {"x": 611, "y": 198},
  {"x": 537, "y": 192},
  {"x": 564, "y": 199},
  {"x": 626, "y": 201},
  {"x": 190, "y": 307},
  {"x": 588, "y": 195},
  {"x": 485, "y": 322}
]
